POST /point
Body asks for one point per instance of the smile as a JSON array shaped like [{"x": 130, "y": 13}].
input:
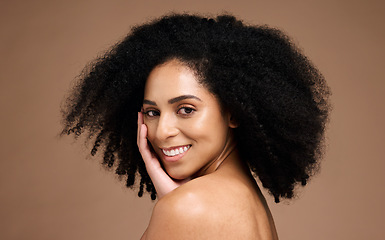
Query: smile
[{"x": 176, "y": 151}]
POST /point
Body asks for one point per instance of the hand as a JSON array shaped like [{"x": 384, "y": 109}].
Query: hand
[{"x": 162, "y": 182}]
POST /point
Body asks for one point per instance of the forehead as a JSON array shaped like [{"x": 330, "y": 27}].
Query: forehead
[{"x": 171, "y": 79}]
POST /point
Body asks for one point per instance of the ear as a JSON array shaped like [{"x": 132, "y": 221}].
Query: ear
[{"x": 232, "y": 122}]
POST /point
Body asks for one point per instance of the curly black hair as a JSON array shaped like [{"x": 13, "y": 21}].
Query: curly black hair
[{"x": 278, "y": 98}]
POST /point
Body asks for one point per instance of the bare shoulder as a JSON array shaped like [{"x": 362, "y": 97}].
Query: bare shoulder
[{"x": 205, "y": 208}]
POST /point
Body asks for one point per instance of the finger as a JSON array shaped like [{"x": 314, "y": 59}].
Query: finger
[
  {"x": 149, "y": 157},
  {"x": 140, "y": 123},
  {"x": 138, "y": 129},
  {"x": 142, "y": 140},
  {"x": 143, "y": 145}
]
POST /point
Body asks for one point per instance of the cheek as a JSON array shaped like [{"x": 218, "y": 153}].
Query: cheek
[
  {"x": 208, "y": 127},
  {"x": 151, "y": 129}
]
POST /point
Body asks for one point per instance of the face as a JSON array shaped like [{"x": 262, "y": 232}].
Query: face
[{"x": 186, "y": 127}]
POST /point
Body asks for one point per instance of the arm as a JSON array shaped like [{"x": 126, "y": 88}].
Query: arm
[{"x": 162, "y": 182}]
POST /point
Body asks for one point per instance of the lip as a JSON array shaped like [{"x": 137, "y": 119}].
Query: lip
[{"x": 176, "y": 157}]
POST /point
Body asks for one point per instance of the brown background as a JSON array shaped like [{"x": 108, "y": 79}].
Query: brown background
[{"x": 51, "y": 189}]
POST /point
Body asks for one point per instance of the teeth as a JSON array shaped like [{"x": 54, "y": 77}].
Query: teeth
[{"x": 175, "y": 152}]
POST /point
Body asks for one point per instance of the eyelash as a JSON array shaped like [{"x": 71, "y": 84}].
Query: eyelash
[
  {"x": 156, "y": 113},
  {"x": 147, "y": 113},
  {"x": 191, "y": 110}
]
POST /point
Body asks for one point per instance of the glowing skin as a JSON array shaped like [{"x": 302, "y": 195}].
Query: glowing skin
[
  {"x": 207, "y": 192},
  {"x": 185, "y": 124}
]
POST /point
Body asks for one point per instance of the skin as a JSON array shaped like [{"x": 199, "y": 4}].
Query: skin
[{"x": 206, "y": 192}]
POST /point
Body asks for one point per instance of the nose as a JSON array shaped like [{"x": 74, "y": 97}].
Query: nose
[{"x": 167, "y": 126}]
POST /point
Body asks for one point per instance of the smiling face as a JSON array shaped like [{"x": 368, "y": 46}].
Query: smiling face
[{"x": 186, "y": 126}]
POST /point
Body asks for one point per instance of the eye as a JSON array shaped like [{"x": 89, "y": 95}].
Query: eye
[
  {"x": 185, "y": 111},
  {"x": 151, "y": 113}
]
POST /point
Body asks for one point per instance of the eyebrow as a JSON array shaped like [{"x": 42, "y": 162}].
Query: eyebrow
[
  {"x": 183, "y": 97},
  {"x": 145, "y": 101},
  {"x": 173, "y": 100}
]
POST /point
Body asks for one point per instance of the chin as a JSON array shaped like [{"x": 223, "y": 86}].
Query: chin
[{"x": 178, "y": 175}]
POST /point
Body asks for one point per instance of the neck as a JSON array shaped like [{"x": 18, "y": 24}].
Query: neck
[{"x": 228, "y": 153}]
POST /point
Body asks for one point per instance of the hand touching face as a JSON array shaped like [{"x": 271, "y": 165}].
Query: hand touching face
[{"x": 186, "y": 126}]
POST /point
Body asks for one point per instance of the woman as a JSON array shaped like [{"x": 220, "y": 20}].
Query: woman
[{"x": 220, "y": 104}]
